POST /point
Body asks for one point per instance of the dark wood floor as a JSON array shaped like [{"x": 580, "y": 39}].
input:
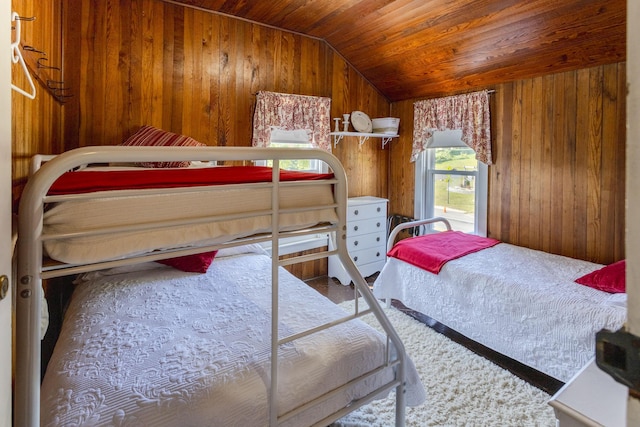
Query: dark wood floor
[{"x": 338, "y": 293}]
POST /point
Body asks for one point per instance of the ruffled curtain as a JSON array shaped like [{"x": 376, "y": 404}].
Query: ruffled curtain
[
  {"x": 289, "y": 112},
  {"x": 469, "y": 112}
]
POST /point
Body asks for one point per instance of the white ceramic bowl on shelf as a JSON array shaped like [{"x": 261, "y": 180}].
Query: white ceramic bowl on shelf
[{"x": 386, "y": 125}]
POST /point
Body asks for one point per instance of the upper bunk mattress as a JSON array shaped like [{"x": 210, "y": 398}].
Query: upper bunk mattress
[{"x": 205, "y": 193}]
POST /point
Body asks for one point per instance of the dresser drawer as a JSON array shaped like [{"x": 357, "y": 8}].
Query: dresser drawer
[
  {"x": 367, "y": 256},
  {"x": 366, "y": 226},
  {"x": 364, "y": 241},
  {"x": 370, "y": 210}
]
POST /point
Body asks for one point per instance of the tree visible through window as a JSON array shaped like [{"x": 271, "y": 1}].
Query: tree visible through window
[
  {"x": 454, "y": 183},
  {"x": 298, "y": 138},
  {"x": 305, "y": 165}
]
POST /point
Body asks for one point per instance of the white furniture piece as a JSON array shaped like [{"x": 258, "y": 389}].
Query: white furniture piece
[
  {"x": 592, "y": 398},
  {"x": 366, "y": 237}
]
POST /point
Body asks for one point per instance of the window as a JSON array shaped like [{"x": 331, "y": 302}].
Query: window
[
  {"x": 299, "y": 138},
  {"x": 452, "y": 184}
]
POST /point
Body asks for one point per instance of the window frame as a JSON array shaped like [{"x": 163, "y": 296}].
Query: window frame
[
  {"x": 424, "y": 196},
  {"x": 295, "y": 244},
  {"x": 286, "y": 139}
]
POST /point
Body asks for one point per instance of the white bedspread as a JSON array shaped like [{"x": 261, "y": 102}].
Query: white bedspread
[
  {"x": 520, "y": 302},
  {"x": 155, "y": 346}
]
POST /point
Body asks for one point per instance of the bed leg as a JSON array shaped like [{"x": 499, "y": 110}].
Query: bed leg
[{"x": 400, "y": 400}]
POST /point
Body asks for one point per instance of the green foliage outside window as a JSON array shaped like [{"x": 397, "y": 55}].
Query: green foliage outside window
[{"x": 455, "y": 191}]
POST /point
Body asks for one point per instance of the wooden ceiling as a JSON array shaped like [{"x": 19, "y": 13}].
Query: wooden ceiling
[{"x": 425, "y": 48}]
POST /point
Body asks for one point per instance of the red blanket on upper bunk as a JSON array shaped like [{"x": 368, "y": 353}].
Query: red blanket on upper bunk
[
  {"x": 86, "y": 181},
  {"x": 432, "y": 251}
]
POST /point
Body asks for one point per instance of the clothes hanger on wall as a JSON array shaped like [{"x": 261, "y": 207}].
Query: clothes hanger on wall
[{"x": 16, "y": 57}]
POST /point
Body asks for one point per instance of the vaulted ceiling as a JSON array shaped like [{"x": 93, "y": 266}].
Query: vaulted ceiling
[{"x": 421, "y": 48}]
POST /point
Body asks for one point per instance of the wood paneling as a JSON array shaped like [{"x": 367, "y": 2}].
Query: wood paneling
[
  {"x": 196, "y": 73},
  {"x": 428, "y": 48},
  {"x": 36, "y": 124},
  {"x": 558, "y": 182},
  {"x": 310, "y": 269},
  {"x": 350, "y": 92},
  {"x": 183, "y": 70},
  {"x": 186, "y": 71}
]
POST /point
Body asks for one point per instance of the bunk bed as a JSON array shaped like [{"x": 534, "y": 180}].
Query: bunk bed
[
  {"x": 520, "y": 302},
  {"x": 149, "y": 339}
]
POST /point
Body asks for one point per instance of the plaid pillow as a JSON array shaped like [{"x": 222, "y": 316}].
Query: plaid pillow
[{"x": 151, "y": 136}]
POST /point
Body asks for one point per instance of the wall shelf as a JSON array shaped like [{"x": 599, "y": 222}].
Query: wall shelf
[{"x": 362, "y": 137}]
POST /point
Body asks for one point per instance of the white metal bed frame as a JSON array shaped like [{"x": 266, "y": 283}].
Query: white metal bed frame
[{"x": 31, "y": 270}]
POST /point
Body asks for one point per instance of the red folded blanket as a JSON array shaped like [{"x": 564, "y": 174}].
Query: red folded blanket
[
  {"x": 86, "y": 181},
  {"x": 432, "y": 251}
]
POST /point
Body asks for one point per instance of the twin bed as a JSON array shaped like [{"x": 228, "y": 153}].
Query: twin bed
[
  {"x": 523, "y": 303},
  {"x": 178, "y": 317}
]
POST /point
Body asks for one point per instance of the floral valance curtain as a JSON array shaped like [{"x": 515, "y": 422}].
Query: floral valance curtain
[
  {"x": 289, "y": 112},
  {"x": 469, "y": 112}
]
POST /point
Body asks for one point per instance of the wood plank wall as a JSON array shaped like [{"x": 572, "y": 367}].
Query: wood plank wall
[
  {"x": 37, "y": 125},
  {"x": 194, "y": 72},
  {"x": 189, "y": 71},
  {"x": 186, "y": 71},
  {"x": 558, "y": 183}
]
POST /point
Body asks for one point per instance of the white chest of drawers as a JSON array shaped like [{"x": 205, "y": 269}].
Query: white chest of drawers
[
  {"x": 591, "y": 399},
  {"x": 366, "y": 237}
]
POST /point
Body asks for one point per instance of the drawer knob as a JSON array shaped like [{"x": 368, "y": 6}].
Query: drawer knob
[
  {"x": 355, "y": 228},
  {"x": 355, "y": 258},
  {"x": 355, "y": 212},
  {"x": 355, "y": 243},
  {"x": 378, "y": 209},
  {"x": 377, "y": 253},
  {"x": 378, "y": 225},
  {"x": 377, "y": 239}
]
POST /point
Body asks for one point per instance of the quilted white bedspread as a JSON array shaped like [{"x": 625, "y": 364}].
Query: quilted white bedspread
[
  {"x": 150, "y": 346},
  {"x": 520, "y": 302}
]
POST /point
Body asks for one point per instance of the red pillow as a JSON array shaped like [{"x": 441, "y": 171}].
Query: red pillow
[
  {"x": 196, "y": 263},
  {"x": 150, "y": 136},
  {"x": 610, "y": 278}
]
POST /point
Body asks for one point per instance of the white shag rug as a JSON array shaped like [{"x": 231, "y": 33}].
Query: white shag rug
[{"x": 463, "y": 389}]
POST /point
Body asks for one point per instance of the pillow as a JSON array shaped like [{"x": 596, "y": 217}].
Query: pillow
[
  {"x": 196, "y": 263},
  {"x": 610, "y": 278},
  {"x": 154, "y": 137}
]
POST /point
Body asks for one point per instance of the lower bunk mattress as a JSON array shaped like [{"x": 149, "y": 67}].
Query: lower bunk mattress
[
  {"x": 149, "y": 345},
  {"x": 520, "y": 302}
]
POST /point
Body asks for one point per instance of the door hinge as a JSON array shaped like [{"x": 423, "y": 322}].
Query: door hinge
[
  {"x": 4, "y": 286},
  {"x": 618, "y": 354}
]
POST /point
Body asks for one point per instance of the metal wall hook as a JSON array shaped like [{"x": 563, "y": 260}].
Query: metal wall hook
[
  {"x": 33, "y": 49},
  {"x": 41, "y": 65},
  {"x": 55, "y": 84},
  {"x": 61, "y": 96}
]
